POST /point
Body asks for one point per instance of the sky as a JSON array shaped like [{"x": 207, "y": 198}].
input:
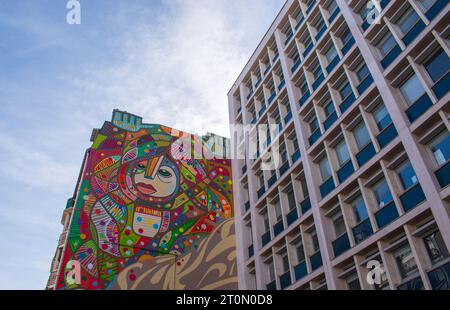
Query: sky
[{"x": 170, "y": 61}]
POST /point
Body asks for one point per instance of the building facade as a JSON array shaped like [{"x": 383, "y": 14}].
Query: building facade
[
  {"x": 358, "y": 94},
  {"x": 152, "y": 209}
]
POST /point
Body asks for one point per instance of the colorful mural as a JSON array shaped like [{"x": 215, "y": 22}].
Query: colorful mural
[{"x": 147, "y": 218}]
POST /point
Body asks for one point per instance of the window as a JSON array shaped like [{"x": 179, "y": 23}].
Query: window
[
  {"x": 304, "y": 88},
  {"x": 436, "y": 248},
  {"x": 271, "y": 271},
  {"x": 412, "y": 90},
  {"x": 382, "y": 193},
  {"x": 360, "y": 210},
  {"x": 317, "y": 72},
  {"x": 386, "y": 44},
  {"x": 304, "y": 188},
  {"x": 408, "y": 20},
  {"x": 266, "y": 221},
  {"x": 277, "y": 207},
  {"x": 332, "y": 7},
  {"x": 405, "y": 261},
  {"x": 407, "y": 176},
  {"x": 325, "y": 170},
  {"x": 300, "y": 252},
  {"x": 313, "y": 124},
  {"x": 438, "y": 65},
  {"x": 291, "y": 199},
  {"x": 315, "y": 241},
  {"x": 440, "y": 146},
  {"x": 426, "y": 4},
  {"x": 342, "y": 153},
  {"x": 346, "y": 37},
  {"x": 345, "y": 91},
  {"x": 353, "y": 282},
  {"x": 261, "y": 179},
  {"x": 329, "y": 109},
  {"x": 331, "y": 54},
  {"x": 362, "y": 136},
  {"x": 285, "y": 260},
  {"x": 362, "y": 72},
  {"x": 382, "y": 117},
  {"x": 339, "y": 224}
]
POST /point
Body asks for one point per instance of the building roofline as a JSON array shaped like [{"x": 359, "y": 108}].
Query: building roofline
[{"x": 259, "y": 45}]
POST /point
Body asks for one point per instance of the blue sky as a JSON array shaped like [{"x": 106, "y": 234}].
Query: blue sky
[{"x": 171, "y": 61}]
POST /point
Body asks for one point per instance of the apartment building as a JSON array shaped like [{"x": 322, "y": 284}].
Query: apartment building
[{"x": 361, "y": 107}]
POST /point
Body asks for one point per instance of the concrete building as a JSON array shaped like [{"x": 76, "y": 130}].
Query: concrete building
[
  {"x": 362, "y": 116},
  {"x": 152, "y": 209}
]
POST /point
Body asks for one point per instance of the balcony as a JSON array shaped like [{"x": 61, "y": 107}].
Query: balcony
[
  {"x": 307, "y": 50},
  {"x": 296, "y": 156},
  {"x": 347, "y": 103},
  {"x": 441, "y": 88},
  {"x": 266, "y": 238},
  {"x": 327, "y": 187},
  {"x": 296, "y": 65},
  {"x": 362, "y": 231},
  {"x": 365, "y": 84},
  {"x": 386, "y": 215},
  {"x": 278, "y": 227},
  {"x": 366, "y": 154},
  {"x": 391, "y": 56},
  {"x": 318, "y": 81},
  {"x": 436, "y": 9},
  {"x": 247, "y": 206},
  {"x": 315, "y": 136},
  {"x": 304, "y": 98},
  {"x": 387, "y": 135},
  {"x": 418, "y": 108},
  {"x": 414, "y": 32},
  {"x": 316, "y": 261},
  {"x": 415, "y": 284},
  {"x": 412, "y": 198},
  {"x": 292, "y": 216},
  {"x": 272, "y": 286},
  {"x": 443, "y": 175},
  {"x": 300, "y": 271},
  {"x": 440, "y": 277},
  {"x": 284, "y": 168},
  {"x": 332, "y": 118},
  {"x": 250, "y": 251},
  {"x": 321, "y": 32},
  {"x": 288, "y": 117},
  {"x": 261, "y": 191},
  {"x": 333, "y": 64},
  {"x": 341, "y": 245},
  {"x": 285, "y": 280},
  {"x": 272, "y": 180},
  {"x": 348, "y": 46},
  {"x": 345, "y": 172},
  {"x": 333, "y": 15},
  {"x": 305, "y": 206},
  {"x": 281, "y": 85}
]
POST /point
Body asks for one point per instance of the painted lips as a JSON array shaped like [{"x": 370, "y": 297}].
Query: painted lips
[{"x": 147, "y": 189}]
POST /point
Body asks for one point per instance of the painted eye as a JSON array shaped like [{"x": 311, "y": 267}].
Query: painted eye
[
  {"x": 164, "y": 173},
  {"x": 140, "y": 166}
]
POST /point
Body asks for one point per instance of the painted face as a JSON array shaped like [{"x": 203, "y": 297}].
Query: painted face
[{"x": 157, "y": 177}]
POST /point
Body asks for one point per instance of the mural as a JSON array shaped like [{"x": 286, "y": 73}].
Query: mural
[{"x": 147, "y": 218}]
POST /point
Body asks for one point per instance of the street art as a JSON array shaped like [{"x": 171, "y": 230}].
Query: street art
[{"x": 146, "y": 219}]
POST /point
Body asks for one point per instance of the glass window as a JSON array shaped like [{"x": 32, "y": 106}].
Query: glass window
[
  {"x": 317, "y": 72},
  {"x": 313, "y": 124},
  {"x": 291, "y": 199},
  {"x": 278, "y": 213},
  {"x": 438, "y": 65},
  {"x": 440, "y": 146},
  {"x": 339, "y": 225},
  {"x": 329, "y": 109},
  {"x": 407, "y": 176},
  {"x": 285, "y": 260},
  {"x": 362, "y": 136},
  {"x": 405, "y": 261},
  {"x": 300, "y": 252},
  {"x": 325, "y": 170},
  {"x": 304, "y": 88},
  {"x": 332, "y": 7},
  {"x": 331, "y": 54},
  {"x": 266, "y": 221},
  {"x": 360, "y": 210},
  {"x": 426, "y": 4},
  {"x": 412, "y": 90},
  {"x": 353, "y": 282},
  {"x": 346, "y": 91},
  {"x": 346, "y": 37},
  {"x": 436, "y": 248},
  {"x": 386, "y": 44},
  {"x": 382, "y": 193},
  {"x": 382, "y": 117},
  {"x": 315, "y": 242},
  {"x": 271, "y": 271},
  {"x": 304, "y": 188},
  {"x": 342, "y": 153},
  {"x": 362, "y": 72},
  {"x": 408, "y": 20}
]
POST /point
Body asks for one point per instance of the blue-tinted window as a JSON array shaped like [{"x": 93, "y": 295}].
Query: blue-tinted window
[
  {"x": 412, "y": 90},
  {"x": 382, "y": 193},
  {"x": 346, "y": 91},
  {"x": 360, "y": 210},
  {"x": 438, "y": 65},
  {"x": 440, "y": 147},
  {"x": 382, "y": 117},
  {"x": 407, "y": 176},
  {"x": 408, "y": 20},
  {"x": 361, "y": 136}
]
